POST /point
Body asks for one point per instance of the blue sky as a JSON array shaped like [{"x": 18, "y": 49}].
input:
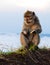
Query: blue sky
[{"x": 12, "y": 11}]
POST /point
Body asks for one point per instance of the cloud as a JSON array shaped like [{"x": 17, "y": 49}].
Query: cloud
[
  {"x": 11, "y": 5},
  {"x": 34, "y": 4},
  {"x": 45, "y": 42},
  {"x": 8, "y": 42}
]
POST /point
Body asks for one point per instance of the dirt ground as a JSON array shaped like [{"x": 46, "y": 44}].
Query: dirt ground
[{"x": 37, "y": 57}]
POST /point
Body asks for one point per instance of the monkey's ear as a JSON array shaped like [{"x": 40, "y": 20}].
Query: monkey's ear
[{"x": 33, "y": 13}]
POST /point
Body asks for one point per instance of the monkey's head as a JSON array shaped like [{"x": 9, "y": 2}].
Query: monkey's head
[{"x": 29, "y": 17}]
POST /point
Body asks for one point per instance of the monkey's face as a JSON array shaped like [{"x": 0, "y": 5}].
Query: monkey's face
[{"x": 29, "y": 18}]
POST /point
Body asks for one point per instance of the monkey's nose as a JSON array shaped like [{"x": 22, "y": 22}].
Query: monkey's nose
[{"x": 27, "y": 19}]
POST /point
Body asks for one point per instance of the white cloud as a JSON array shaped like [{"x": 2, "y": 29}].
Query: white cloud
[
  {"x": 36, "y": 4},
  {"x": 44, "y": 42},
  {"x": 9, "y": 42},
  {"x": 10, "y": 5}
]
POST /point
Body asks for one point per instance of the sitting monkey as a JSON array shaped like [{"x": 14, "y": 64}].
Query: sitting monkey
[{"x": 31, "y": 29}]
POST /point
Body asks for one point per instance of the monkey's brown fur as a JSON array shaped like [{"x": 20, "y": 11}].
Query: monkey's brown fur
[{"x": 31, "y": 29}]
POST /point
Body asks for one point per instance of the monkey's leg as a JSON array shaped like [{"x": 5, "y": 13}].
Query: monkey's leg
[
  {"x": 36, "y": 39},
  {"x": 24, "y": 40}
]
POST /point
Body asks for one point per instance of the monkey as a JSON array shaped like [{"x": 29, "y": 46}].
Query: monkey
[{"x": 31, "y": 29}]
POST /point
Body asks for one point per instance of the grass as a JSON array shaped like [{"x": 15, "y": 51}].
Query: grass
[
  {"x": 23, "y": 50},
  {"x": 22, "y": 57}
]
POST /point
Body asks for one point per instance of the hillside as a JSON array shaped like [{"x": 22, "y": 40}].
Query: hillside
[{"x": 24, "y": 57}]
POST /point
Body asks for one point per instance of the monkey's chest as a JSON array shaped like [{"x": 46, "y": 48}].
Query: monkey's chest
[{"x": 30, "y": 35}]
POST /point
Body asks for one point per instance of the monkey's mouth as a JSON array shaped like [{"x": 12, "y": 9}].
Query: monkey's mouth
[{"x": 28, "y": 22}]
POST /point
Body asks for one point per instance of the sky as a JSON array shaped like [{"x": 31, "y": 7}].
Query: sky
[{"x": 12, "y": 11}]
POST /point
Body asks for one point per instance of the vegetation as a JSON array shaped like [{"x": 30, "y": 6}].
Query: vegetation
[{"x": 22, "y": 56}]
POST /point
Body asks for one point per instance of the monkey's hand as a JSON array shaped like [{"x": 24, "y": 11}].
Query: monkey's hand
[
  {"x": 25, "y": 31},
  {"x": 34, "y": 31}
]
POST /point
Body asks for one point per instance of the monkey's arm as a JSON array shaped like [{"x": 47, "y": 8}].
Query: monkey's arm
[
  {"x": 24, "y": 40},
  {"x": 36, "y": 28},
  {"x": 25, "y": 30}
]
